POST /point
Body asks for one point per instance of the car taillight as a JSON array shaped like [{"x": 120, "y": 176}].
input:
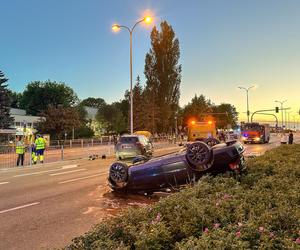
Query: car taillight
[{"x": 234, "y": 165}]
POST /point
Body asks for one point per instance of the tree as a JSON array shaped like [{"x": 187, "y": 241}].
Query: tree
[
  {"x": 59, "y": 120},
  {"x": 230, "y": 118},
  {"x": 163, "y": 76},
  {"x": 196, "y": 109},
  {"x": 5, "y": 119},
  {"x": 93, "y": 102},
  {"x": 15, "y": 99},
  {"x": 138, "y": 106},
  {"x": 39, "y": 95}
]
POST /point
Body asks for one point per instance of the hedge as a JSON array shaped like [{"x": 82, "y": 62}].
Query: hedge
[{"x": 260, "y": 210}]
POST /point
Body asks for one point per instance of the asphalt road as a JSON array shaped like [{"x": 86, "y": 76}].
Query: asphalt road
[{"x": 47, "y": 206}]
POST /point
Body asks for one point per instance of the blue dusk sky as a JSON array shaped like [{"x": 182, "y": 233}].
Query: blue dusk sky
[{"x": 224, "y": 44}]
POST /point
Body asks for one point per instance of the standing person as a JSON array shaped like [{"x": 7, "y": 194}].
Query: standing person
[
  {"x": 283, "y": 139},
  {"x": 20, "y": 150},
  {"x": 40, "y": 145},
  {"x": 291, "y": 137}
]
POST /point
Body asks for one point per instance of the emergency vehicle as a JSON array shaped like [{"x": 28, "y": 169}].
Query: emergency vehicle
[
  {"x": 201, "y": 130},
  {"x": 255, "y": 133}
]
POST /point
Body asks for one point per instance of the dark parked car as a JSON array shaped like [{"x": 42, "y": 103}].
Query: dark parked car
[
  {"x": 162, "y": 173},
  {"x": 130, "y": 146}
]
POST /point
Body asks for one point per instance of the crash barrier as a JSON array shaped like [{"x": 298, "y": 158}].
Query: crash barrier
[{"x": 8, "y": 156}]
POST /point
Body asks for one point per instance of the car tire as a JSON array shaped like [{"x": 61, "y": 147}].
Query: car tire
[
  {"x": 211, "y": 141},
  {"x": 198, "y": 154},
  {"x": 118, "y": 174}
]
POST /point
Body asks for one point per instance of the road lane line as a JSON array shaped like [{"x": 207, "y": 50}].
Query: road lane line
[
  {"x": 81, "y": 178},
  {"x": 3, "y": 183},
  {"x": 36, "y": 173},
  {"x": 20, "y": 207},
  {"x": 67, "y": 172},
  {"x": 69, "y": 166}
]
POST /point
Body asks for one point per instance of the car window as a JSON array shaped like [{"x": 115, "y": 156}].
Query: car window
[{"x": 129, "y": 139}]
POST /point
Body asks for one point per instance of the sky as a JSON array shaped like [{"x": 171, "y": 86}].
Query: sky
[{"x": 224, "y": 44}]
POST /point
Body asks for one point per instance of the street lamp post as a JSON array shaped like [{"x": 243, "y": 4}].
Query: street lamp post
[
  {"x": 247, "y": 92},
  {"x": 117, "y": 27},
  {"x": 281, "y": 103}
]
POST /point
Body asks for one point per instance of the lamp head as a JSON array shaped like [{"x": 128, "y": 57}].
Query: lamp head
[{"x": 115, "y": 27}]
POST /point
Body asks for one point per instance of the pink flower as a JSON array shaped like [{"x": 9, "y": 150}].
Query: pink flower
[
  {"x": 240, "y": 224},
  {"x": 206, "y": 230},
  {"x": 297, "y": 241},
  {"x": 271, "y": 235},
  {"x": 158, "y": 217},
  {"x": 216, "y": 225},
  {"x": 238, "y": 234},
  {"x": 217, "y": 204},
  {"x": 226, "y": 196},
  {"x": 261, "y": 229}
]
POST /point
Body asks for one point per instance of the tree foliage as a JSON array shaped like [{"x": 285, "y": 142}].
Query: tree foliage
[
  {"x": 93, "y": 102},
  {"x": 202, "y": 109},
  {"x": 163, "y": 76},
  {"x": 39, "y": 95},
  {"x": 15, "y": 99},
  {"x": 59, "y": 120},
  {"x": 5, "y": 119}
]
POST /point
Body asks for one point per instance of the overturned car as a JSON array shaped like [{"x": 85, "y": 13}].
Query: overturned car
[{"x": 173, "y": 170}]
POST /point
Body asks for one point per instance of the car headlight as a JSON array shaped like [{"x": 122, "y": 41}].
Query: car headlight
[
  {"x": 257, "y": 139},
  {"x": 244, "y": 138}
]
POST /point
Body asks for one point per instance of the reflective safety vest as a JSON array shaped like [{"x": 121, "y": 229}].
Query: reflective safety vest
[
  {"x": 40, "y": 143},
  {"x": 20, "y": 148}
]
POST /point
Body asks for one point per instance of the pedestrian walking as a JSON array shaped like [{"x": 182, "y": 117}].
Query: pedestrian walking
[
  {"x": 291, "y": 137},
  {"x": 20, "y": 151},
  {"x": 40, "y": 145},
  {"x": 283, "y": 139}
]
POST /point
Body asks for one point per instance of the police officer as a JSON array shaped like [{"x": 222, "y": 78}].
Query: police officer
[
  {"x": 40, "y": 145},
  {"x": 20, "y": 151}
]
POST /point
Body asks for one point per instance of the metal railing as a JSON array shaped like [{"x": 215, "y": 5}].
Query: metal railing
[{"x": 77, "y": 149}]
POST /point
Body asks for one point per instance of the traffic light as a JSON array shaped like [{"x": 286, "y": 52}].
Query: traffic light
[{"x": 276, "y": 109}]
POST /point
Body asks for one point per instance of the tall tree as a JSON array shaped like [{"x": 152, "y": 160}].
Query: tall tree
[
  {"x": 5, "y": 119},
  {"x": 39, "y": 95},
  {"x": 15, "y": 99},
  {"x": 163, "y": 75},
  {"x": 138, "y": 106},
  {"x": 59, "y": 120},
  {"x": 93, "y": 102}
]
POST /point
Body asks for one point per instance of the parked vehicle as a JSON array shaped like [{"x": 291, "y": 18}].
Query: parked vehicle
[
  {"x": 255, "y": 133},
  {"x": 130, "y": 146},
  {"x": 167, "y": 172}
]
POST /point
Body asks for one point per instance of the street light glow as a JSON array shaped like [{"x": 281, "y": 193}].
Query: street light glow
[
  {"x": 115, "y": 27},
  {"x": 147, "y": 19}
]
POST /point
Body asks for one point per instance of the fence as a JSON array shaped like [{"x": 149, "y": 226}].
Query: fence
[{"x": 77, "y": 149}]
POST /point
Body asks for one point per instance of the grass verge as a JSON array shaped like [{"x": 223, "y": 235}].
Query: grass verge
[{"x": 261, "y": 211}]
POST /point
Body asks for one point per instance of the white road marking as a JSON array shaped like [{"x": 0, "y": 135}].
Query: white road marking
[
  {"x": 3, "y": 183},
  {"x": 81, "y": 178},
  {"x": 36, "y": 173},
  {"x": 20, "y": 207},
  {"x": 47, "y": 171},
  {"x": 67, "y": 172},
  {"x": 69, "y": 166}
]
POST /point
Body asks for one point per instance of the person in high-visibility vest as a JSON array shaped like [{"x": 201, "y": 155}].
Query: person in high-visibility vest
[
  {"x": 20, "y": 151},
  {"x": 33, "y": 154},
  {"x": 40, "y": 145}
]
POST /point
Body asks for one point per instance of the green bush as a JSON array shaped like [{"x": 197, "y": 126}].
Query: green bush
[{"x": 260, "y": 211}]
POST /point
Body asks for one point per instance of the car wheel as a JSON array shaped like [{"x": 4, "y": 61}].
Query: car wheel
[
  {"x": 118, "y": 174},
  {"x": 198, "y": 153},
  {"x": 211, "y": 141}
]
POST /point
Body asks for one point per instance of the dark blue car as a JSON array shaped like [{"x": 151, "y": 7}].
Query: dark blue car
[{"x": 167, "y": 172}]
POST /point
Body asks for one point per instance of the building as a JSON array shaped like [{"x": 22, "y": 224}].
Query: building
[{"x": 21, "y": 119}]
